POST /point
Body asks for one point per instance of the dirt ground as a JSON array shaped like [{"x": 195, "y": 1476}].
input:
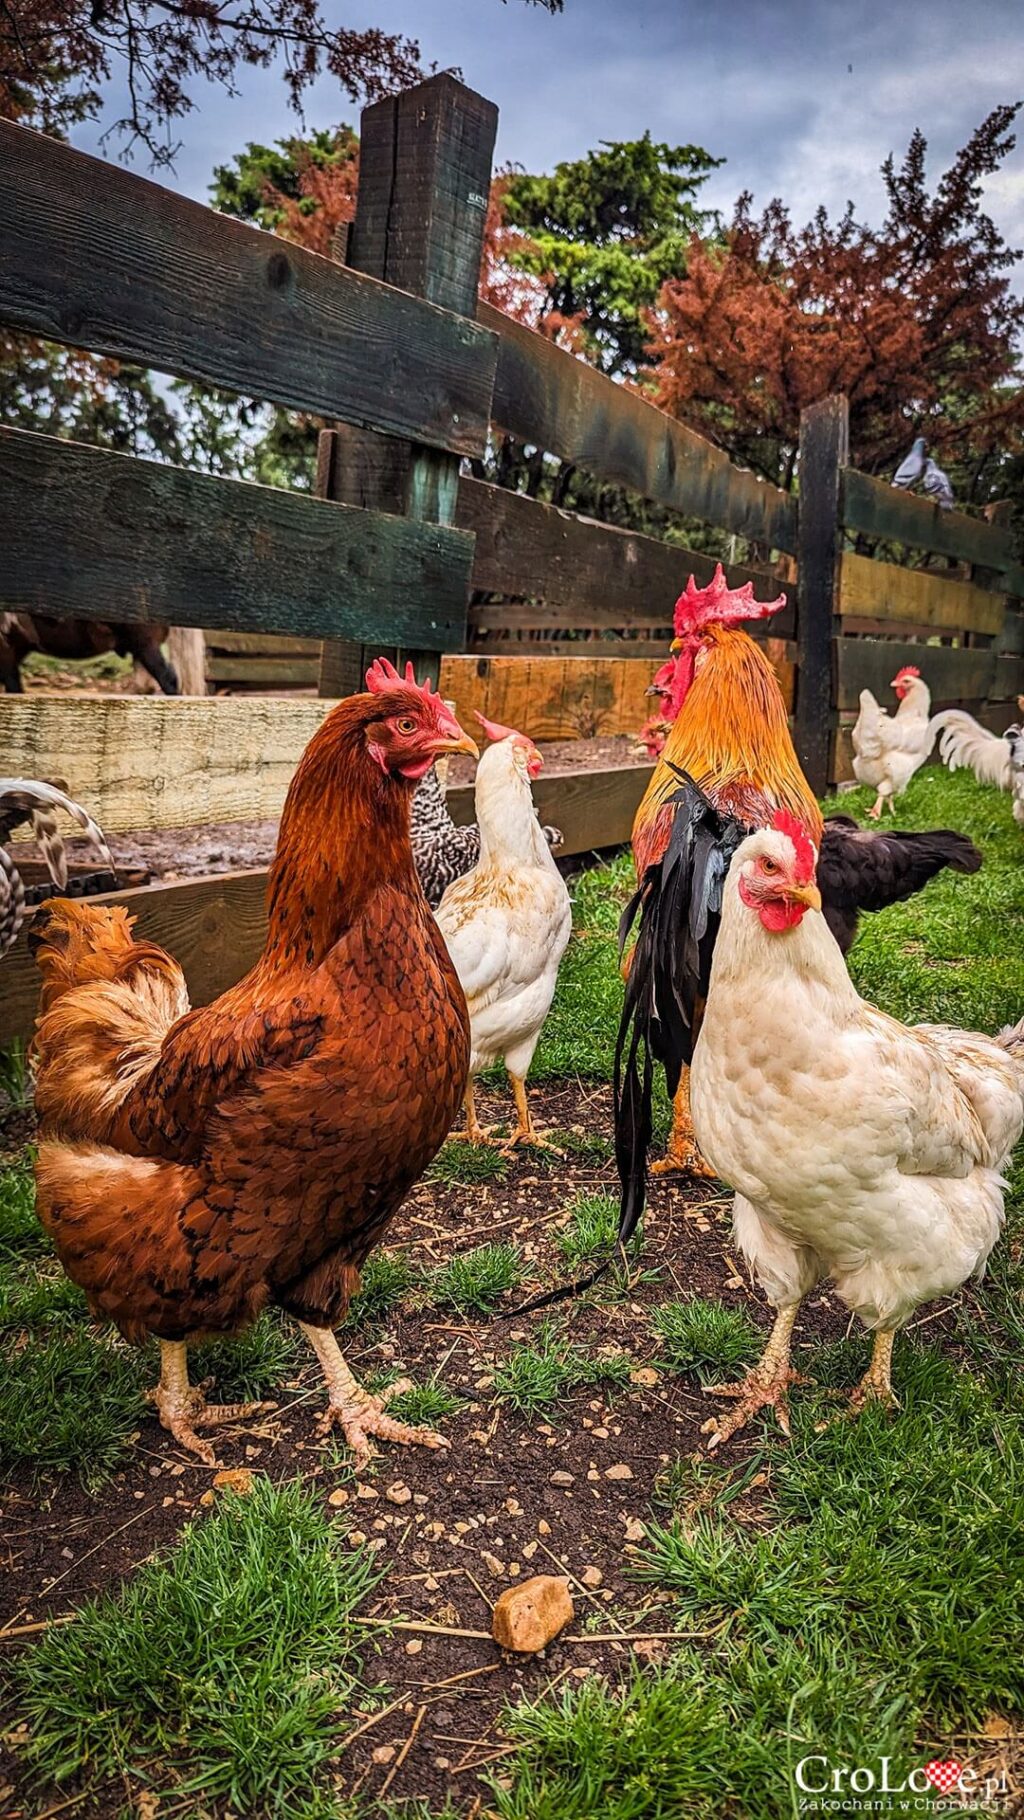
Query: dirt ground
[{"x": 513, "y": 1496}]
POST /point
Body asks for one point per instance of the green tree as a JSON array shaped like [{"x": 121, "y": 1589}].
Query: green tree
[
  {"x": 604, "y": 232},
  {"x": 260, "y": 182}
]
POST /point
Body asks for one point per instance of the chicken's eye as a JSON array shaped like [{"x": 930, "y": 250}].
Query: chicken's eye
[
  {"x": 768, "y": 865},
  {"x": 406, "y": 724}
]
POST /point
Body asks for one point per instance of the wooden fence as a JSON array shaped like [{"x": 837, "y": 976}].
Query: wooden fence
[{"x": 413, "y": 376}]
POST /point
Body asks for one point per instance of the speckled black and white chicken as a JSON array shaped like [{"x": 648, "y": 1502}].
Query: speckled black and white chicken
[
  {"x": 22, "y": 799},
  {"x": 442, "y": 851}
]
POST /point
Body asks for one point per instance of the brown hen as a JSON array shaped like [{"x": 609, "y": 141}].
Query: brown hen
[{"x": 197, "y": 1166}]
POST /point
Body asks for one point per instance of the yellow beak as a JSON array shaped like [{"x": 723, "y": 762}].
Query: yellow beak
[
  {"x": 676, "y": 645},
  {"x": 805, "y": 894},
  {"x": 462, "y": 744}
]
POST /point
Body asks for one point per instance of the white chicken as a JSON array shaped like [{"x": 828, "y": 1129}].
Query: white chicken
[
  {"x": 888, "y": 749},
  {"x": 860, "y": 1150},
  {"x": 506, "y": 924},
  {"x": 965, "y": 745}
]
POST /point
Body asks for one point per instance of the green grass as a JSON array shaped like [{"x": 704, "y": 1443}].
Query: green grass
[
  {"x": 705, "y": 1337},
  {"x": 459, "y": 1162},
  {"x": 425, "y": 1405},
  {"x": 69, "y": 1402},
  {"x": 591, "y": 1229},
  {"x": 218, "y": 1671},
  {"x": 21, "y": 1235},
  {"x": 250, "y": 1364},
  {"x": 475, "y": 1281},
  {"x": 387, "y": 1279},
  {"x": 536, "y": 1377}
]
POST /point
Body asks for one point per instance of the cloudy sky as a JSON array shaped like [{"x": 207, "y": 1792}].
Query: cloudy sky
[{"x": 804, "y": 98}]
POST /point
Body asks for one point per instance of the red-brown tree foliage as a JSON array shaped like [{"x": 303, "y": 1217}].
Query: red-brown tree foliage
[{"x": 915, "y": 320}]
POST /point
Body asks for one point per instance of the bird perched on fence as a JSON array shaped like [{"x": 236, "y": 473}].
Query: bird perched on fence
[
  {"x": 936, "y": 484},
  {"x": 730, "y": 744},
  {"x": 198, "y": 1165},
  {"x": 506, "y": 924},
  {"x": 860, "y": 1150},
  {"x": 911, "y": 468},
  {"x": 22, "y": 799},
  {"x": 993, "y": 758},
  {"x": 888, "y": 750},
  {"x": 444, "y": 852}
]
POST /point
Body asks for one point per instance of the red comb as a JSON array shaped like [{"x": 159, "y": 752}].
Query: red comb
[
  {"x": 784, "y": 822},
  {"x": 719, "y": 605},
  {"x": 382, "y": 676},
  {"x": 495, "y": 730},
  {"x": 907, "y": 670}
]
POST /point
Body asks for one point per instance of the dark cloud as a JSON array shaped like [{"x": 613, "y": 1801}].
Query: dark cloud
[{"x": 804, "y": 98}]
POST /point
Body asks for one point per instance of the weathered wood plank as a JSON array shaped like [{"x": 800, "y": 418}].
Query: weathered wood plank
[
  {"x": 593, "y": 809},
  {"x": 1007, "y": 678},
  {"x": 88, "y": 533},
  {"x": 877, "y": 509},
  {"x": 261, "y": 644},
  {"x": 151, "y": 762},
  {"x": 424, "y": 178},
  {"x": 100, "y": 258},
  {"x": 881, "y": 589},
  {"x": 552, "y": 697},
  {"x": 824, "y": 449},
  {"x": 214, "y": 926},
  {"x": 545, "y": 396},
  {"x": 264, "y": 672},
  {"x": 585, "y": 573},
  {"x": 952, "y": 673}
]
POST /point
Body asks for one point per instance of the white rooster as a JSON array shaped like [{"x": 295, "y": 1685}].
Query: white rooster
[
  {"x": 965, "y": 745},
  {"x": 507, "y": 923},
  {"x": 888, "y": 749},
  {"x": 860, "y": 1150}
]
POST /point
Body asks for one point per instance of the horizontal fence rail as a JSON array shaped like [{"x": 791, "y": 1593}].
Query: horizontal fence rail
[
  {"x": 547, "y": 397},
  {"x": 889, "y": 513},
  {"x": 577, "y": 572},
  {"x": 86, "y": 533},
  {"x": 99, "y": 258}
]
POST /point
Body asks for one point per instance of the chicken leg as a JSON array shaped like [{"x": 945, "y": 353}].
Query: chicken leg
[
  {"x": 876, "y": 1384},
  {"x": 182, "y": 1407},
  {"x": 766, "y": 1387},
  {"x": 682, "y": 1156},
  {"x": 359, "y": 1414},
  {"x": 526, "y": 1131}
]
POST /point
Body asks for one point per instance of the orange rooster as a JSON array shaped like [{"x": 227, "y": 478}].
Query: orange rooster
[
  {"x": 729, "y": 734},
  {"x": 728, "y": 765},
  {"x": 199, "y": 1165}
]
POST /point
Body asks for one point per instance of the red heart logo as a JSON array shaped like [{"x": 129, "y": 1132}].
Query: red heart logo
[{"x": 943, "y": 1776}]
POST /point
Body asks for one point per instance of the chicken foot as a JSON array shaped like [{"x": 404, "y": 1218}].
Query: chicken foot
[
  {"x": 876, "y": 1384},
  {"x": 359, "y": 1414},
  {"x": 766, "y": 1387},
  {"x": 526, "y": 1131},
  {"x": 682, "y": 1156},
  {"x": 475, "y": 1132},
  {"x": 183, "y": 1408}
]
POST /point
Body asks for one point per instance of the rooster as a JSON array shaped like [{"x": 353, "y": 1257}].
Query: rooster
[
  {"x": 22, "y": 799},
  {"x": 730, "y": 747},
  {"x": 887, "y": 751},
  {"x": 198, "y": 1165},
  {"x": 506, "y": 924},
  {"x": 860, "y": 1150},
  {"x": 966, "y": 745}
]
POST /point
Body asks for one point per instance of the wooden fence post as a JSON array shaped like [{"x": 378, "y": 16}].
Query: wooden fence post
[
  {"x": 824, "y": 453},
  {"x": 424, "y": 181}
]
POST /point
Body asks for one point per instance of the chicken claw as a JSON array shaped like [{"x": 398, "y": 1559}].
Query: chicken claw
[
  {"x": 766, "y": 1387},
  {"x": 876, "y": 1384},
  {"x": 684, "y": 1160},
  {"x": 182, "y": 1407},
  {"x": 357, "y": 1413}
]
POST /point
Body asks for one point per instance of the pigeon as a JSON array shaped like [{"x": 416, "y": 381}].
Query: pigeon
[
  {"x": 912, "y": 468},
  {"x": 936, "y": 485}
]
